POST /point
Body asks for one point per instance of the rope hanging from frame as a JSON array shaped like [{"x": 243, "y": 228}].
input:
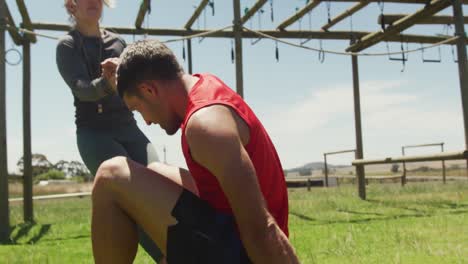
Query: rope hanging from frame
[
  {"x": 381, "y": 4},
  {"x": 261, "y": 34},
  {"x": 272, "y": 16}
]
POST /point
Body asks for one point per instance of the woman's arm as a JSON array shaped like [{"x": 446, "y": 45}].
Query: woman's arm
[{"x": 74, "y": 72}]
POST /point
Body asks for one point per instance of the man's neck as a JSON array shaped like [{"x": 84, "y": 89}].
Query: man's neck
[
  {"x": 88, "y": 30},
  {"x": 186, "y": 83}
]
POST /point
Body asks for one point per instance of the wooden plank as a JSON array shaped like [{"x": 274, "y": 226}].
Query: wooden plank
[
  {"x": 400, "y": 25},
  {"x": 14, "y": 34},
  {"x": 311, "y": 5},
  {"x": 145, "y": 4},
  {"x": 26, "y": 20},
  {"x": 253, "y": 10},
  {"x": 434, "y": 157},
  {"x": 53, "y": 196},
  {"x": 339, "y": 152},
  {"x": 196, "y": 14},
  {"x": 345, "y": 14},
  {"x": 442, "y": 20},
  {"x": 423, "y": 145}
]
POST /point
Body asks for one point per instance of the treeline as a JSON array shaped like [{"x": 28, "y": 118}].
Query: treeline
[{"x": 43, "y": 169}]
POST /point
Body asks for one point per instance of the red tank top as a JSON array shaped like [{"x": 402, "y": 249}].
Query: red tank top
[{"x": 209, "y": 90}]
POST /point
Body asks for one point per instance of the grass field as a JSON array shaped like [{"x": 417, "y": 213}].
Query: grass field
[{"x": 421, "y": 223}]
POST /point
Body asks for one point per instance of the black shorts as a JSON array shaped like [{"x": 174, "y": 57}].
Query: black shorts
[{"x": 203, "y": 235}]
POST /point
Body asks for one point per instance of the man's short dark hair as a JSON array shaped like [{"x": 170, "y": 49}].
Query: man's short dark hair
[{"x": 146, "y": 60}]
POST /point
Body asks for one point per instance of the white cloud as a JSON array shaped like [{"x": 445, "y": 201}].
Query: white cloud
[{"x": 324, "y": 121}]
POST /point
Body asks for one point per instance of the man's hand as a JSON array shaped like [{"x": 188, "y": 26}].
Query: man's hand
[{"x": 109, "y": 69}]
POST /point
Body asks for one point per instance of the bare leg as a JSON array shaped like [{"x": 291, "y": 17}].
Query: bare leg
[{"x": 126, "y": 192}]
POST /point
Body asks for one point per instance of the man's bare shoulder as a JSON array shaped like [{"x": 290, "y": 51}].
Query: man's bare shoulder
[{"x": 210, "y": 120}]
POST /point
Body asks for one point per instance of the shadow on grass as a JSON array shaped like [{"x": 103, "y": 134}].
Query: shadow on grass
[
  {"x": 64, "y": 239},
  {"x": 302, "y": 216},
  {"x": 23, "y": 232},
  {"x": 410, "y": 206},
  {"x": 397, "y": 205},
  {"x": 379, "y": 217},
  {"x": 359, "y": 213}
]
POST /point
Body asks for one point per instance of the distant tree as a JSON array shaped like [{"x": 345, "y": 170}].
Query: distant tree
[
  {"x": 40, "y": 164},
  {"x": 78, "y": 169},
  {"x": 395, "y": 168},
  {"x": 423, "y": 169},
  {"x": 50, "y": 175},
  {"x": 65, "y": 167},
  {"x": 305, "y": 172}
]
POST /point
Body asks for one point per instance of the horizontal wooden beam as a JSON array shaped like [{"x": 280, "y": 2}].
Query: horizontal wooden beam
[
  {"x": 438, "y": 20},
  {"x": 14, "y": 34},
  {"x": 346, "y": 14},
  {"x": 400, "y": 25},
  {"x": 196, "y": 14},
  {"x": 311, "y": 5},
  {"x": 296, "y": 34},
  {"x": 424, "y": 145},
  {"x": 339, "y": 152},
  {"x": 26, "y": 20},
  {"x": 435, "y": 157},
  {"x": 53, "y": 196},
  {"x": 144, "y": 6},
  {"x": 253, "y": 10}
]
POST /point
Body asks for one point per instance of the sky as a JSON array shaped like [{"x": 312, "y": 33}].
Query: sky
[{"x": 306, "y": 105}]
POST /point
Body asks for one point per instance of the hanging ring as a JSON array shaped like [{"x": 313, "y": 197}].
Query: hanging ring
[
  {"x": 321, "y": 56},
  {"x": 16, "y": 62}
]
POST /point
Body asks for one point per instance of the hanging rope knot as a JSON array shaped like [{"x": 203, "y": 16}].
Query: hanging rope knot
[
  {"x": 211, "y": 4},
  {"x": 149, "y": 6}
]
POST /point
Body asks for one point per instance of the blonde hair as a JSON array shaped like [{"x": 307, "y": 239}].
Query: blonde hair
[{"x": 68, "y": 4}]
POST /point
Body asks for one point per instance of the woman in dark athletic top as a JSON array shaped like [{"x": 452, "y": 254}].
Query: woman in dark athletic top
[{"x": 105, "y": 126}]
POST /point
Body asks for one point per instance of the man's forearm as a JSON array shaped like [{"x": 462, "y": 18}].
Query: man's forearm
[{"x": 270, "y": 247}]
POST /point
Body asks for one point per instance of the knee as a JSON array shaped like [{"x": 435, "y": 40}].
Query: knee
[
  {"x": 154, "y": 166},
  {"x": 108, "y": 175}
]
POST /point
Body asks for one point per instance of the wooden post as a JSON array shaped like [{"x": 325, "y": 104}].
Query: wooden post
[
  {"x": 462, "y": 64},
  {"x": 403, "y": 177},
  {"x": 360, "y": 172},
  {"x": 27, "y": 156},
  {"x": 309, "y": 184},
  {"x": 189, "y": 55},
  {"x": 443, "y": 164},
  {"x": 4, "y": 210},
  {"x": 145, "y": 4},
  {"x": 325, "y": 169},
  {"x": 238, "y": 49}
]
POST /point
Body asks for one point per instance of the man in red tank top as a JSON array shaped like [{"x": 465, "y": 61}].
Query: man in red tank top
[{"x": 230, "y": 207}]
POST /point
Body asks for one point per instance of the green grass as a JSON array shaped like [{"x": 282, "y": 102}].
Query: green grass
[{"x": 420, "y": 223}]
